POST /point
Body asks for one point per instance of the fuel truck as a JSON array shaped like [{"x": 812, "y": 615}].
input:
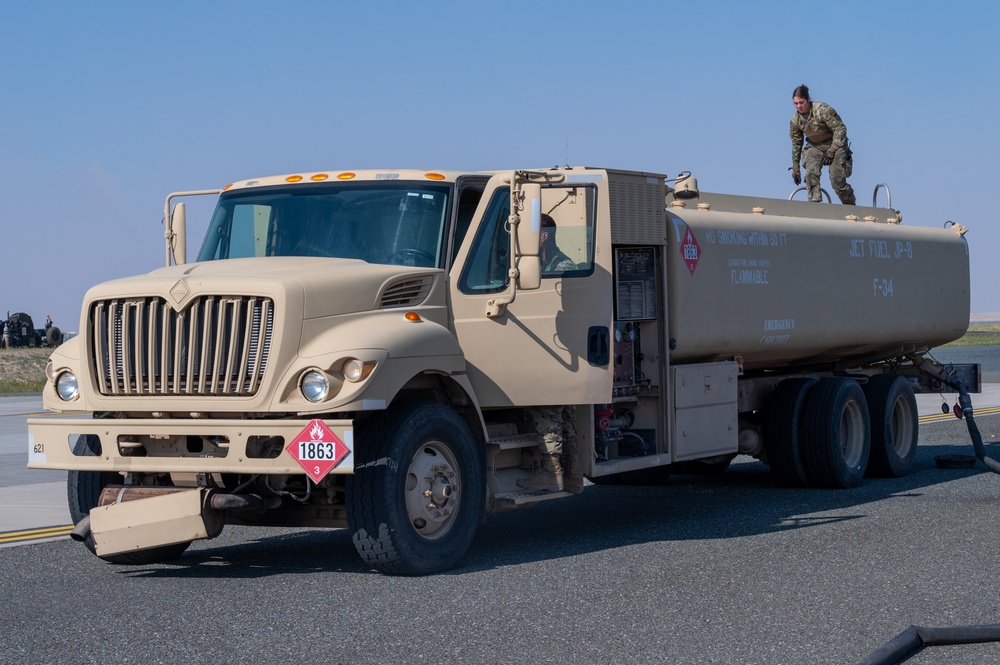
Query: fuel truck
[{"x": 358, "y": 349}]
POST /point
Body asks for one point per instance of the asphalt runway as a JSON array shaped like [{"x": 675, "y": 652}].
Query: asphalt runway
[{"x": 726, "y": 569}]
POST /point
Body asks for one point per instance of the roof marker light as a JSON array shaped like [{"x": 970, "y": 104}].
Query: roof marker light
[
  {"x": 434, "y": 176},
  {"x": 293, "y": 178},
  {"x": 319, "y": 177},
  {"x": 345, "y": 176}
]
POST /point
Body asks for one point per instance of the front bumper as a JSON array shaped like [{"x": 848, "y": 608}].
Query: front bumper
[{"x": 51, "y": 441}]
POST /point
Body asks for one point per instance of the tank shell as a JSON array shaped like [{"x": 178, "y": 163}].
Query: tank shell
[{"x": 780, "y": 290}]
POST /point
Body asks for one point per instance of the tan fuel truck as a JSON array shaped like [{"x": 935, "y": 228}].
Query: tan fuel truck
[{"x": 357, "y": 349}]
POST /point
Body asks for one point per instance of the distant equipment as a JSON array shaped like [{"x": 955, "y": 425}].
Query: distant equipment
[{"x": 19, "y": 331}]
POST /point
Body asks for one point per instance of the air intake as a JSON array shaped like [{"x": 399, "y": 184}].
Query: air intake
[{"x": 406, "y": 293}]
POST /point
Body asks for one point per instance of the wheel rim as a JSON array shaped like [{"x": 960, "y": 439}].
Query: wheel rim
[
  {"x": 433, "y": 493},
  {"x": 902, "y": 427},
  {"x": 852, "y": 434}
]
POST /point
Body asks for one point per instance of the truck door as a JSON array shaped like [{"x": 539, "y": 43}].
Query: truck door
[{"x": 546, "y": 346}]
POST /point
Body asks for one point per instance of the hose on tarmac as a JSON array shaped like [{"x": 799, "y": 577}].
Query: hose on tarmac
[
  {"x": 977, "y": 439},
  {"x": 914, "y": 638}
]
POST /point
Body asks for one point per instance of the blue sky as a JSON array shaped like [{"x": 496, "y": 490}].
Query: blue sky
[{"x": 109, "y": 106}]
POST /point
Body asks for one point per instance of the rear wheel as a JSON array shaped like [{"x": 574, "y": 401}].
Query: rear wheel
[
  {"x": 418, "y": 490},
  {"x": 83, "y": 492},
  {"x": 836, "y": 434},
  {"x": 893, "y": 410},
  {"x": 782, "y": 432}
]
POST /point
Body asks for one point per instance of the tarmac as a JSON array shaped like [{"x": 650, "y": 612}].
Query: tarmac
[{"x": 34, "y": 501}]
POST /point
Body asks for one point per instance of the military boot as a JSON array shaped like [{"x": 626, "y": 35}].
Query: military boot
[
  {"x": 572, "y": 474},
  {"x": 549, "y": 478}
]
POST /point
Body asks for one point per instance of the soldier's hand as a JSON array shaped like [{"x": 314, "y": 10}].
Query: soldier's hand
[
  {"x": 796, "y": 175},
  {"x": 828, "y": 157}
]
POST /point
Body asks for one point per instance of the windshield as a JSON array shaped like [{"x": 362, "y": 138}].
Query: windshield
[{"x": 400, "y": 223}]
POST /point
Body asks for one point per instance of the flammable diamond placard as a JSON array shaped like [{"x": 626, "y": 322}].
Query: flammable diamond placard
[
  {"x": 317, "y": 450},
  {"x": 690, "y": 250}
]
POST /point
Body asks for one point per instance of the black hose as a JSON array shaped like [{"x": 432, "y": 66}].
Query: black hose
[
  {"x": 913, "y": 638},
  {"x": 977, "y": 439}
]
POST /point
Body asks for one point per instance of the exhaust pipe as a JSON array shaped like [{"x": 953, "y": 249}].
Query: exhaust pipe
[
  {"x": 81, "y": 531},
  {"x": 243, "y": 502}
]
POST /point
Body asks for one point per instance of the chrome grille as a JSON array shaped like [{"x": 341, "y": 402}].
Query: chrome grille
[{"x": 218, "y": 345}]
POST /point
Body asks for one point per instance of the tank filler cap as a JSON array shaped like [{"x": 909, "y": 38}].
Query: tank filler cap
[
  {"x": 704, "y": 206},
  {"x": 677, "y": 204},
  {"x": 758, "y": 211},
  {"x": 852, "y": 218},
  {"x": 870, "y": 219}
]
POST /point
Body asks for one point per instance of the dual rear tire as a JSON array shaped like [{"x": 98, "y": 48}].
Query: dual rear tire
[{"x": 829, "y": 433}]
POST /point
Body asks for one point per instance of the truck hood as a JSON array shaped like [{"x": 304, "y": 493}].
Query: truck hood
[{"x": 323, "y": 286}]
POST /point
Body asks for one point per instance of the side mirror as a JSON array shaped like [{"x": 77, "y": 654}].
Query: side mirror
[
  {"x": 529, "y": 273},
  {"x": 530, "y": 222},
  {"x": 178, "y": 236}
]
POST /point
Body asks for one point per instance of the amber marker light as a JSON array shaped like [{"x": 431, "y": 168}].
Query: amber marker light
[
  {"x": 434, "y": 176},
  {"x": 412, "y": 316},
  {"x": 319, "y": 177},
  {"x": 293, "y": 178},
  {"x": 227, "y": 187},
  {"x": 345, "y": 176}
]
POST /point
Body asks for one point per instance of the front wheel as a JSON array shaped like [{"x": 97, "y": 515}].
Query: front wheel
[{"x": 418, "y": 490}]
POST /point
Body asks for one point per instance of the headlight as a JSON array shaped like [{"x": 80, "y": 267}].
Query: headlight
[
  {"x": 314, "y": 386},
  {"x": 67, "y": 387},
  {"x": 356, "y": 370}
]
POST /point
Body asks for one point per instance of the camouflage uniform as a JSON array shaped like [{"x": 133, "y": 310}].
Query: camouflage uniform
[
  {"x": 557, "y": 262},
  {"x": 824, "y": 131},
  {"x": 556, "y": 425}
]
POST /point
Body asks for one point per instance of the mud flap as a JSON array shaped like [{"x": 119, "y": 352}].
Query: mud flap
[{"x": 164, "y": 519}]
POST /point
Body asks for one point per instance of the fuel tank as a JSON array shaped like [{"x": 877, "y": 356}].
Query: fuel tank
[{"x": 809, "y": 284}]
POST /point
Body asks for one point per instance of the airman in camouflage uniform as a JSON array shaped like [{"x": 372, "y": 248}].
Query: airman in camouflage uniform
[
  {"x": 553, "y": 259},
  {"x": 560, "y": 469},
  {"x": 555, "y": 425},
  {"x": 826, "y": 144}
]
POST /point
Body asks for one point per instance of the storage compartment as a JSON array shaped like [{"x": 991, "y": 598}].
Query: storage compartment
[{"x": 706, "y": 420}]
